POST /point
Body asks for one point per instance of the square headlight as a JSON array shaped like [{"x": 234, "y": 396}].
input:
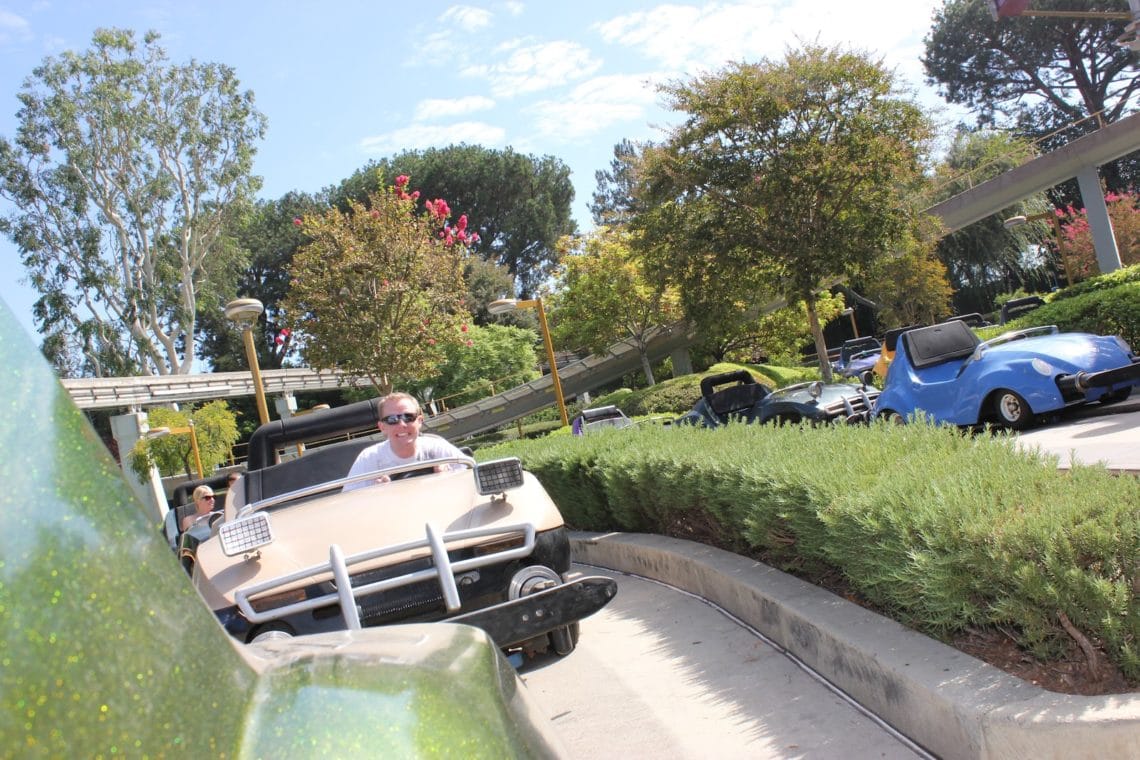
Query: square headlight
[
  {"x": 498, "y": 476},
  {"x": 246, "y": 534}
]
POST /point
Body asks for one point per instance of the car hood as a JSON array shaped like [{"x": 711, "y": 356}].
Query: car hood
[
  {"x": 1068, "y": 352},
  {"x": 831, "y": 392},
  {"x": 387, "y": 514}
]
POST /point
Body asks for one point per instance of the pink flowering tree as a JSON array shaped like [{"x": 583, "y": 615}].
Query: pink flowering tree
[
  {"x": 379, "y": 290},
  {"x": 1124, "y": 211}
]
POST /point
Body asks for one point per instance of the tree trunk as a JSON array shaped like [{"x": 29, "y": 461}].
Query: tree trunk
[
  {"x": 645, "y": 366},
  {"x": 820, "y": 343}
]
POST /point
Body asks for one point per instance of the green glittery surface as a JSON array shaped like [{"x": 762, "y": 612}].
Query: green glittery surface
[{"x": 107, "y": 651}]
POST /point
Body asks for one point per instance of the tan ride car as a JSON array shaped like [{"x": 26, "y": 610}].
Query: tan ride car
[{"x": 475, "y": 543}]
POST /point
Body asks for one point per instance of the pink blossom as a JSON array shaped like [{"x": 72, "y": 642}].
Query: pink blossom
[
  {"x": 431, "y": 341},
  {"x": 463, "y": 328},
  {"x": 470, "y": 343},
  {"x": 462, "y": 223},
  {"x": 402, "y": 181},
  {"x": 374, "y": 214},
  {"x": 296, "y": 221}
]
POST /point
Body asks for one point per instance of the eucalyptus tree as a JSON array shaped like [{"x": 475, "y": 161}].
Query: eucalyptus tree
[
  {"x": 792, "y": 173},
  {"x": 123, "y": 172}
]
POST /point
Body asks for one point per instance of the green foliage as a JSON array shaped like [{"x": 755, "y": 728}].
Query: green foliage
[
  {"x": 271, "y": 238},
  {"x": 786, "y": 171},
  {"x": 492, "y": 359},
  {"x": 124, "y": 172},
  {"x": 985, "y": 251},
  {"x": 520, "y": 203},
  {"x": 1043, "y": 77},
  {"x": 378, "y": 289},
  {"x": 215, "y": 428},
  {"x": 1105, "y": 305},
  {"x": 604, "y": 295},
  {"x": 940, "y": 528}
]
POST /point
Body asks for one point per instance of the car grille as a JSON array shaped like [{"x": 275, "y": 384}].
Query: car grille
[{"x": 858, "y": 403}]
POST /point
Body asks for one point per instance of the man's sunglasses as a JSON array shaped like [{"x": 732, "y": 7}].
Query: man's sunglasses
[{"x": 393, "y": 419}]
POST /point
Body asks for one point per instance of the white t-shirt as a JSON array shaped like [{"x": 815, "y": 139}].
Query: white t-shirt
[{"x": 381, "y": 456}]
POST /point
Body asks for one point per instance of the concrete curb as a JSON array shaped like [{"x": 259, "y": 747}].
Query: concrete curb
[{"x": 952, "y": 704}]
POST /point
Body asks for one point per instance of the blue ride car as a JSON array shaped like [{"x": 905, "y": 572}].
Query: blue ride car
[
  {"x": 946, "y": 372},
  {"x": 856, "y": 356}
]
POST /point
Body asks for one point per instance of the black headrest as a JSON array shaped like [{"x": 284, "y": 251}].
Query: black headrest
[{"x": 932, "y": 345}]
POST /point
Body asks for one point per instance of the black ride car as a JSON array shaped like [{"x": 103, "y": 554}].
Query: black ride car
[{"x": 737, "y": 396}]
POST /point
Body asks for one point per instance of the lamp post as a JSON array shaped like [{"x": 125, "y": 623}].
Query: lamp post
[
  {"x": 245, "y": 312},
  {"x": 509, "y": 304},
  {"x": 1017, "y": 221}
]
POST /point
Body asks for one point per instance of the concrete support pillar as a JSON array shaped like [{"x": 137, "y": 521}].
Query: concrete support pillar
[
  {"x": 127, "y": 430},
  {"x": 1104, "y": 241},
  {"x": 286, "y": 405},
  {"x": 682, "y": 362}
]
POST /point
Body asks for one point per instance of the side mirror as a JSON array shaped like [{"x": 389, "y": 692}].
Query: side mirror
[{"x": 867, "y": 377}]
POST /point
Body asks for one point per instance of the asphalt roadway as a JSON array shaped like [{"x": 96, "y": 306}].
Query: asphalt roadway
[{"x": 707, "y": 654}]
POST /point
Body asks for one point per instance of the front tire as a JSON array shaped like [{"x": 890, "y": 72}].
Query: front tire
[{"x": 1011, "y": 410}]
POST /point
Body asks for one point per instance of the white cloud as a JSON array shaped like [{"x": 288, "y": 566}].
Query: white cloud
[
  {"x": 514, "y": 8},
  {"x": 416, "y": 137},
  {"x": 595, "y": 105},
  {"x": 688, "y": 38},
  {"x": 467, "y": 18},
  {"x": 13, "y": 27},
  {"x": 437, "y": 108},
  {"x": 535, "y": 67}
]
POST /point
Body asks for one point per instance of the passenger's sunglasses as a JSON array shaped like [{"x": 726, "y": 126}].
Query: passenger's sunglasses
[
  {"x": 207, "y": 496},
  {"x": 393, "y": 419}
]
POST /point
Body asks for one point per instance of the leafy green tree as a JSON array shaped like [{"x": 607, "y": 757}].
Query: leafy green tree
[
  {"x": 795, "y": 172},
  {"x": 1052, "y": 79},
  {"x": 603, "y": 296},
  {"x": 910, "y": 288},
  {"x": 215, "y": 428},
  {"x": 491, "y": 360},
  {"x": 270, "y": 238},
  {"x": 378, "y": 290},
  {"x": 521, "y": 203},
  {"x": 124, "y": 172},
  {"x": 986, "y": 250},
  {"x": 775, "y": 336},
  {"x": 615, "y": 198}
]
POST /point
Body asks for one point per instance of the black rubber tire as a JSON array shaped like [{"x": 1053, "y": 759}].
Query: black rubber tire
[
  {"x": 891, "y": 416},
  {"x": 1011, "y": 410},
  {"x": 564, "y": 640}
]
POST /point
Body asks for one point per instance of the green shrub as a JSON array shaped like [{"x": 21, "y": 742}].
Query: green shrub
[
  {"x": 1104, "y": 305},
  {"x": 940, "y": 528}
]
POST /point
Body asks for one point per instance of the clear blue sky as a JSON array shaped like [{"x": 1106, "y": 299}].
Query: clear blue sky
[{"x": 345, "y": 81}]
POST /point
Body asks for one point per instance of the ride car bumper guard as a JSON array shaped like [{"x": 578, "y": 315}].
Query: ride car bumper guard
[{"x": 443, "y": 570}]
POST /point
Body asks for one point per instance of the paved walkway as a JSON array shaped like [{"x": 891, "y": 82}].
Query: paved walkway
[{"x": 1087, "y": 435}]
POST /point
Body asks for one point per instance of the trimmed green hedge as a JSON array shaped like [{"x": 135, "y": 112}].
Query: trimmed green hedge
[
  {"x": 940, "y": 529},
  {"x": 1104, "y": 305}
]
